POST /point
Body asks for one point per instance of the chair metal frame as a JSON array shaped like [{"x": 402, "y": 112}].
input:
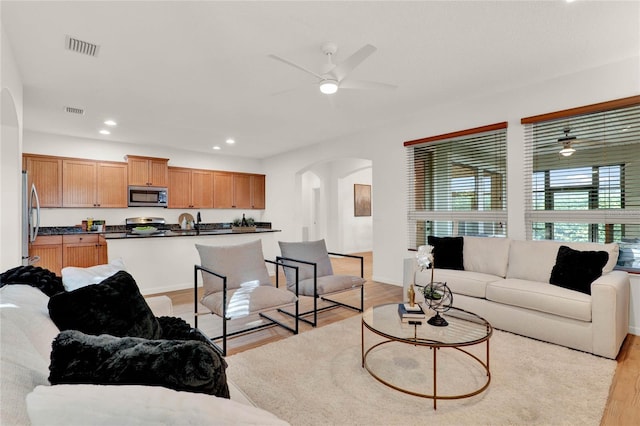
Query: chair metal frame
[
  {"x": 316, "y": 296},
  {"x": 271, "y": 321}
]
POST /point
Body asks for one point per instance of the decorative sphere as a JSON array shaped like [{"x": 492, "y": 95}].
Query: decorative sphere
[{"x": 437, "y": 296}]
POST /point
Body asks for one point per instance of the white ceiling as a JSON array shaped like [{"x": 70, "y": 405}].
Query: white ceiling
[{"x": 191, "y": 74}]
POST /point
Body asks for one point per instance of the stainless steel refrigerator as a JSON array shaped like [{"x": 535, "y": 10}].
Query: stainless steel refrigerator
[{"x": 30, "y": 218}]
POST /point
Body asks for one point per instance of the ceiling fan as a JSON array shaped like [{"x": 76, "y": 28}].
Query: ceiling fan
[
  {"x": 567, "y": 150},
  {"x": 334, "y": 76}
]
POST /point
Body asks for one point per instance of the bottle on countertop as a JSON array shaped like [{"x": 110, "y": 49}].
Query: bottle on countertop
[
  {"x": 183, "y": 225},
  {"x": 244, "y": 221}
]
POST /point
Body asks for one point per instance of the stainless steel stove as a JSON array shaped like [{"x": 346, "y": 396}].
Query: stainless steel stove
[{"x": 156, "y": 222}]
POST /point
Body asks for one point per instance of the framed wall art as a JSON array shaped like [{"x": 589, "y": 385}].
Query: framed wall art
[{"x": 361, "y": 200}]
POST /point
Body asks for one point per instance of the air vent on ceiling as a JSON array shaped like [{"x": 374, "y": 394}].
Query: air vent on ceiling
[
  {"x": 80, "y": 46},
  {"x": 73, "y": 110}
]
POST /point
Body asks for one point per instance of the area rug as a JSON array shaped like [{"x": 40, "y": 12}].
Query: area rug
[{"x": 316, "y": 378}]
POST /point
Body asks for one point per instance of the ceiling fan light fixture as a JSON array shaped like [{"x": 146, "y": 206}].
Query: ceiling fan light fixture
[
  {"x": 567, "y": 150},
  {"x": 328, "y": 86}
]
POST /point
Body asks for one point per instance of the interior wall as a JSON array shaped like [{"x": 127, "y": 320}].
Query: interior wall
[
  {"x": 10, "y": 151},
  {"x": 356, "y": 234}
]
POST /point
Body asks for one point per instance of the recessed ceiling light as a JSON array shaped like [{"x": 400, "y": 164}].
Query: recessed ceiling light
[
  {"x": 216, "y": 147},
  {"x": 110, "y": 123},
  {"x": 105, "y": 132},
  {"x": 230, "y": 141}
]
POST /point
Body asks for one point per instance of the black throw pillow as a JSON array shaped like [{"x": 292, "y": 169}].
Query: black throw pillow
[
  {"x": 35, "y": 276},
  {"x": 576, "y": 270},
  {"x": 447, "y": 252},
  {"x": 183, "y": 365},
  {"x": 115, "y": 306}
]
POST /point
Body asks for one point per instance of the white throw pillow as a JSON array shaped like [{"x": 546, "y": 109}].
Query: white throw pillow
[{"x": 74, "y": 277}]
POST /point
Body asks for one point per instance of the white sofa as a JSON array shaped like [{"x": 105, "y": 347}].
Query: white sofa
[
  {"x": 27, "y": 397},
  {"x": 507, "y": 282}
]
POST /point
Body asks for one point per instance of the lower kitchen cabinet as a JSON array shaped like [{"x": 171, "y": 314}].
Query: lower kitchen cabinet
[
  {"x": 84, "y": 250},
  {"x": 49, "y": 249},
  {"x": 58, "y": 251}
]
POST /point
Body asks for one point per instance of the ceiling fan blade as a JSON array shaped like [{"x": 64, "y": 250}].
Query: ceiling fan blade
[
  {"x": 301, "y": 68},
  {"x": 345, "y": 67},
  {"x": 360, "y": 84}
]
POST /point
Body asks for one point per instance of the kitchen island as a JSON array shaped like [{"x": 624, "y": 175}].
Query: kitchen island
[{"x": 163, "y": 261}]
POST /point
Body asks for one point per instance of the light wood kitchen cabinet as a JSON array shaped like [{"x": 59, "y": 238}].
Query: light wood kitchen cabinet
[
  {"x": 258, "y": 192},
  {"x": 148, "y": 171},
  {"x": 87, "y": 183},
  {"x": 190, "y": 188},
  {"x": 84, "y": 250},
  {"x": 222, "y": 190},
  {"x": 46, "y": 173},
  {"x": 49, "y": 249},
  {"x": 238, "y": 190},
  {"x": 241, "y": 191}
]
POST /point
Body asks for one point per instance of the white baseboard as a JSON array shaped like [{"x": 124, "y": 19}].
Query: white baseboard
[
  {"x": 634, "y": 330},
  {"x": 386, "y": 280}
]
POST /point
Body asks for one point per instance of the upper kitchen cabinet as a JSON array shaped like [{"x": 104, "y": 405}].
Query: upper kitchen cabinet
[
  {"x": 87, "y": 183},
  {"x": 222, "y": 190},
  {"x": 190, "y": 188},
  {"x": 46, "y": 173},
  {"x": 238, "y": 190},
  {"x": 258, "y": 191},
  {"x": 148, "y": 171}
]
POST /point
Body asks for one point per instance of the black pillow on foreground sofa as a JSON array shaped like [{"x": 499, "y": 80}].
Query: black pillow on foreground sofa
[
  {"x": 183, "y": 365},
  {"x": 115, "y": 306}
]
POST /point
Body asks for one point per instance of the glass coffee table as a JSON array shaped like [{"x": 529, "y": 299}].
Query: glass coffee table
[{"x": 465, "y": 329}]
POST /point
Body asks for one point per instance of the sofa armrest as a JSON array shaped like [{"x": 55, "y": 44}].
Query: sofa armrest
[{"x": 610, "y": 312}]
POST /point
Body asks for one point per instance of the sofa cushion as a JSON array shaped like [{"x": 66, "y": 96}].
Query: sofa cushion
[
  {"x": 576, "y": 270},
  {"x": 534, "y": 260},
  {"x": 74, "y": 277},
  {"x": 460, "y": 282},
  {"x": 541, "y": 297},
  {"x": 184, "y": 365},
  {"x": 139, "y": 405},
  {"x": 447, "y": 252},
  {"x": 115, "y": 306},
  {"x": 27, "y": 333},
  {"x": 486, "y": 255}
]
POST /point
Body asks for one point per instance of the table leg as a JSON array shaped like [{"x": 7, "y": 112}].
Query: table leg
[
  {"x": 435, "y": 380},
  {"x": 362, "y": 341}
]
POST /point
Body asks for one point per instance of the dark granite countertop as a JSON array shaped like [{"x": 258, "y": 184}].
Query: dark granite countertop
[{"x": 115, "y": 232}]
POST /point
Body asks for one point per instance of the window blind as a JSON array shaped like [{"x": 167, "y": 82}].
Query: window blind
[
  {"x": 592, "y": 193},
  {"x": 456, "y": 184}
]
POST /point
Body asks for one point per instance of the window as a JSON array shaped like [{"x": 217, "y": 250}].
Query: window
[
  {"x": 456, "y": 184},
  {"x": 593, "y": 193}
]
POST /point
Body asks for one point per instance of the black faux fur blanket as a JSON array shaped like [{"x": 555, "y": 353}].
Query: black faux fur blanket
[
  {"x": 35, "y": 276},
  {"x": 184, "y": 365}
]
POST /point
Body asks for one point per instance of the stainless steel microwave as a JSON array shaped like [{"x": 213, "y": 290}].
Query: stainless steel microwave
[{"x": 148, "y": 196}]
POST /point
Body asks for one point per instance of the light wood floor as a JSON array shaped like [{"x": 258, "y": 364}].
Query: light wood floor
[{"x": 623, "y": 405}]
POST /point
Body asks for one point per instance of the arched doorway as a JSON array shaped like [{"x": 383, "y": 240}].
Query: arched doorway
[{"x": 326, "y": 203}]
